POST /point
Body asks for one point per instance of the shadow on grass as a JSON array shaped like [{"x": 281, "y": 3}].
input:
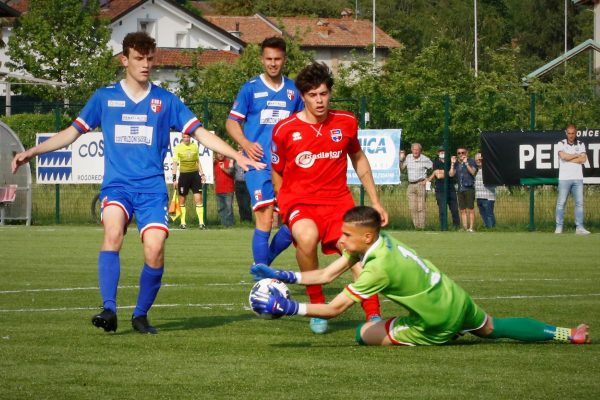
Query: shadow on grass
[{"x": 202, "y": 322}]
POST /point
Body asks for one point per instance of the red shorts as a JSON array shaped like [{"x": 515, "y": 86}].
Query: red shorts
[{"x": 327, "y": 217}]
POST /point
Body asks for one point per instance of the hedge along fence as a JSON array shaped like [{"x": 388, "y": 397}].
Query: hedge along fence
[{"x": 512, "y": 207}]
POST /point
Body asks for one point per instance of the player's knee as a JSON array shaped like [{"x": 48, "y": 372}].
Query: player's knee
[{"x": 358, "y": 335}]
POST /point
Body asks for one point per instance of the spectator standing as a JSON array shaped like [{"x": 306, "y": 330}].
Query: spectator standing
[
  {"x": 417, "y": 165},
  {"x": 450, "y": 192},
  {"x": 242, "y": 196},
  {"x": 572, "y": 156},
  {"x": 485, "y": 195},
  {"x": 465, "y": 169},
  {"x": 224, "y": 188}
]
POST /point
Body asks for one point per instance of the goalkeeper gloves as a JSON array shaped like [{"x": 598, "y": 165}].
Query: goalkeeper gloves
[
  {"x": 262, "y": 271},
  {"x": 271, "y": 303}
]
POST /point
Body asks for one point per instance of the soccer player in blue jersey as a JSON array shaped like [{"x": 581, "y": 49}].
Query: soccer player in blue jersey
[
  {"x": 262, "y": 102},
  {"x": 136, "y": 117}
]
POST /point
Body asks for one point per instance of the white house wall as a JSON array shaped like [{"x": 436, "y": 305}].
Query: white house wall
[{"x": 166, "y": 22}]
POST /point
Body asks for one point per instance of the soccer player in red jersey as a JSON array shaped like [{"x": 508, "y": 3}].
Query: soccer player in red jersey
[{"x": 309, "y": 159}]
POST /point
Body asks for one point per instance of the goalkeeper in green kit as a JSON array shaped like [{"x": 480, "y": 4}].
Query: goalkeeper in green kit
[{"x": 439, "y": 310}]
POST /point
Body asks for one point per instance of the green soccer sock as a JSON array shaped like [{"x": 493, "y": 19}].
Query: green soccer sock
[
  {"x": 183, "y": 215},
  {"x": 200, "y": 213},
  {"x": 527, "y": 330}
]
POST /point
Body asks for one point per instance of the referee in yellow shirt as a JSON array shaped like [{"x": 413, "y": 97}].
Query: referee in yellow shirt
[{"x": 185, "y": 157}]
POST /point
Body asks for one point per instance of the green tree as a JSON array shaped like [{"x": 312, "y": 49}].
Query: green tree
[
  {"x": 64, "y": 41},
  {"x": 220, "y": 82}
]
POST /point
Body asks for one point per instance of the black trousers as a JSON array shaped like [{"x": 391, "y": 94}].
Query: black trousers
[{"x": 452, "y": 204}]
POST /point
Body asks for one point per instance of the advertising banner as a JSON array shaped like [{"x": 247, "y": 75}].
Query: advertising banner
[
  {"x": 83, "y": 160},
  {"x": 382, "y": 147},
  {"x": 529, "y": 158}
]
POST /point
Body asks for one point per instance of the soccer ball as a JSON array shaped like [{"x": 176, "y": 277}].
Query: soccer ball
[{"x": 266, "y": 286}]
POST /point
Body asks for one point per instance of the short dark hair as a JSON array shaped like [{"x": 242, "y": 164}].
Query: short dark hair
[
  {"x": 312, "y": 76},
  {"x": 273, "y": 42},
  {"x": 140, "y": 42},
  {"x": 363, "y": 216}
]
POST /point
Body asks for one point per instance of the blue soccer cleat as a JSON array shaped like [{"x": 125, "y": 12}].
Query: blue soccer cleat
[{"x": 318, "y": 325}]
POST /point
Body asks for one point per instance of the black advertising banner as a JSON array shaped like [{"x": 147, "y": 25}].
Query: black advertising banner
[{"x": 527, "y": 158}]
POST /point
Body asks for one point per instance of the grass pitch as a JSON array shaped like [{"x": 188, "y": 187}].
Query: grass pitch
[{"x": 211, "y": 346}]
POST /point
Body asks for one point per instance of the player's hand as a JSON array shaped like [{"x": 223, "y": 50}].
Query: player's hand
[
  {"x": 272, "y": 303},
  {"x": 20, "y": 159},
  {"x": 382, "y": 212},
  {"x": 246, "y": 163},
  {"x": 262, "y": 271},
  {"x": 202, "y": 178},
  {"x": 254, "y": 151}
]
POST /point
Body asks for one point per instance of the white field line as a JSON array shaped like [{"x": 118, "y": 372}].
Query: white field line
[{"x": 74, "y": 289}]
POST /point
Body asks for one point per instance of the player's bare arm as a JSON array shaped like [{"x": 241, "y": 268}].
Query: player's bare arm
[
  {"x": 58, "y": 141},
  {"x": 330, "y": 310},
  {"x": 361, "y": 165},
  {"x": 325, "y": 275},
  {"x": 217, "y": 144},
  {"x": 252, "y": 149},
  {"x": 174, "y": 169}
]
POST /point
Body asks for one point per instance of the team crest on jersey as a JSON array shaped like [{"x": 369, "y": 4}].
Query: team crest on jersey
[
  {"x": 290, "y": 94},
  {"x": 156, "y": 105},
  {"x": 258, "y": 195},
  {"x": 336, "y": 135}
]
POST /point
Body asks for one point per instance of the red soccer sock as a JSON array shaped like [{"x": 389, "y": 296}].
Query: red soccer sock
[
  {"x": 315, "y": 293},
  {"x": 371, "y": 307}
]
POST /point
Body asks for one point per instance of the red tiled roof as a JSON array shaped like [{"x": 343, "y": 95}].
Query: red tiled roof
[
  {"x": 118, "y": 7},
  {"x": 115, "y": 7},
  {"x": 253, "y": 29},
  {"x": 335, "y": 32},
  {"x": 314, "y": 32},
  {"x": 171, "y": 57}
]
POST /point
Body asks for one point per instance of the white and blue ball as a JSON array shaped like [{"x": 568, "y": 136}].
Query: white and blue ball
[{"x": 267, "y": 286}]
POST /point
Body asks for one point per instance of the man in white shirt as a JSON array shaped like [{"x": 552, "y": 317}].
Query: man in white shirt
[
  {"x": 417, "y": 165},
  {"x": 572, "y": 156}
]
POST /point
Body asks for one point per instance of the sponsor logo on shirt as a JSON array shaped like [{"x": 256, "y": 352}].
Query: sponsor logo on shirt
[
  {"x": 258, "y": 95},
  {"x": 271, "y": 117},
  {"x": 258, "y": 195},
  {"x": 296, "y": 136},
  {"x": 275, "y": 103},
  {"x": 134, "y": 118},
  {"x": 116, "y": 103},
  {"x": 156, "y": 105},
  {"x": 290, "y": 94},
  {"x": 336, "y": 135},
  {"x": 133, "y": 134},
  {"x": 306, "y": 159}
]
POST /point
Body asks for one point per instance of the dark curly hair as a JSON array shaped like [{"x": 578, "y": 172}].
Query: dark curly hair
[
  {"x": 312, "y": 76},
  {"x": 140, "y": 42}
]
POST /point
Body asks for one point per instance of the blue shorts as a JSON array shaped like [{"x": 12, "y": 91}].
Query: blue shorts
[
  {"x": 149, "y": 209},
  {"x": 260, "y": 188}
]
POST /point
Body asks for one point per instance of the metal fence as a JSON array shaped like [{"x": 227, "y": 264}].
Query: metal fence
[{"x": 517, "y": 208}]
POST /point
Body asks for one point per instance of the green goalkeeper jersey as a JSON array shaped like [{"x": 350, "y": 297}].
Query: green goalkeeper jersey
[
  {"x": 391, "y": 268},
  {"x": 186, "y": 156}
]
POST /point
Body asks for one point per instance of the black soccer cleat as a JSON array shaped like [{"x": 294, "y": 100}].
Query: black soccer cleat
[
  {"x": 142, "y": 325},
  {"x": 106, "y": 320}
]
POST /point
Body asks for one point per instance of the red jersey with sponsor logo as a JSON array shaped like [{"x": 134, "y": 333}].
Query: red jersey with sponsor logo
[{"x": 312, "y": 158}]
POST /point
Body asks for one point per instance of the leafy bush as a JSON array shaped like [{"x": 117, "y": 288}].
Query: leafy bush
[{"x": 27, "y": 125}]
